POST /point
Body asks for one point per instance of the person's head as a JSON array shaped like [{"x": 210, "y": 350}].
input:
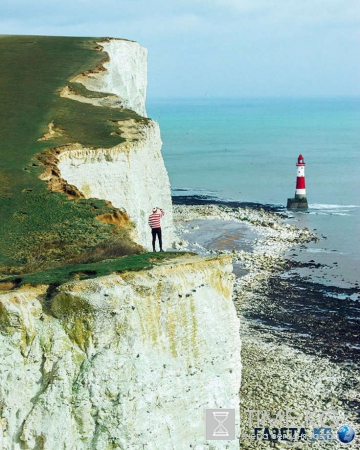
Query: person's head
[{"x": 154, "y": 209}]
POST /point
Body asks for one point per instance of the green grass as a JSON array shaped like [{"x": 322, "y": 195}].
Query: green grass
[
  {"x": 63, "y": 274},
  {"x": 35, "y": 222}
]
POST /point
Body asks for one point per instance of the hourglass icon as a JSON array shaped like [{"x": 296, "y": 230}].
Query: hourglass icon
[{"x": 220, "y": 417}]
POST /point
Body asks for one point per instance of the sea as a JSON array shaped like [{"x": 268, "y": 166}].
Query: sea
[{"x": 246, "y": 149}]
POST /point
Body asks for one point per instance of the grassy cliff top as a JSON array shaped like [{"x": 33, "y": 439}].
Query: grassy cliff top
[
  {"x": 71, "y": 272},
  {"x": 40, "y": 228}
]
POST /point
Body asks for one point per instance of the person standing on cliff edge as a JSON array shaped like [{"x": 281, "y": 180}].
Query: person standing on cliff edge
[{"x": 154, "y": 222}]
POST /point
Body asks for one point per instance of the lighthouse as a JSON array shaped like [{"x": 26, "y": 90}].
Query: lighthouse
[{"x": 300, "y": 200}]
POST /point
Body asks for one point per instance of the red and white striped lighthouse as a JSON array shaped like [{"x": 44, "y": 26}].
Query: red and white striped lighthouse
[
  {"x": 300, "y": 200},
  {"x": 300, "y": 191}
]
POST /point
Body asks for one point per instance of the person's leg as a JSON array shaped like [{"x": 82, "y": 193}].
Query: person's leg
[
  {"x": 160, "y": 239},
  {"x": 153, "y": 231}
]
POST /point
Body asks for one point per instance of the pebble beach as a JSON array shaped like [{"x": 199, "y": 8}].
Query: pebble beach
[{"x": 299, "y": 349}]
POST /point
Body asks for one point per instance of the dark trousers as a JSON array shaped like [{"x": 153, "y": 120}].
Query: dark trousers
[{"x": 156, "y": 231}]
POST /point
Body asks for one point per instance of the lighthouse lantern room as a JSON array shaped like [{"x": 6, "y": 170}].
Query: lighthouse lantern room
[{"x": 300, "y": 200}]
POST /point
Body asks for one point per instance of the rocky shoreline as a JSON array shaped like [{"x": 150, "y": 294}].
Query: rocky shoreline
[{"x": 298, "y": 351}]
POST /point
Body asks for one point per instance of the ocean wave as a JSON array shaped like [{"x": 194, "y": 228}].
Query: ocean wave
[
  {"x": 329, "y": 206},
  {"x": 332, "y": 212},
  {"x": 318, "y": 250},
  {"x": 193, "y": 190}
]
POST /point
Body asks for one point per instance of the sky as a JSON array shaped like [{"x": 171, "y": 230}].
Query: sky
[{"x": 217, "y": 48}]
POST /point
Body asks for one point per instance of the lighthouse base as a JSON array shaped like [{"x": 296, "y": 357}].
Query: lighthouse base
[{"x": 297, "y": 203}]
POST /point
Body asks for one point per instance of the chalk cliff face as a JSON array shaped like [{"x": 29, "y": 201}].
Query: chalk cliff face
[
  {"x": 123, "y": 361},
  {"x": 131, "y": 360},
  {"x": 125, "y": 74},
  {"x": 131, "y": 175}
]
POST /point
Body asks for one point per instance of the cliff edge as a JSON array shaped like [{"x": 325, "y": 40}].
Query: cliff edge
[
  {"x": 125, "y": 361},
  {"x": 131, "y": 175},
  {"x": 100, "y": 348},
  {"x": 81, "y": 165}
]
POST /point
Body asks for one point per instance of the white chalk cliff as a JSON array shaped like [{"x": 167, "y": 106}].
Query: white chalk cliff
[
  {"x": 129, "y": 360},
  {"x": 131, "y": 175},
  {"x": 126, "y": 361},
  {"x": 125, "y": 74}
]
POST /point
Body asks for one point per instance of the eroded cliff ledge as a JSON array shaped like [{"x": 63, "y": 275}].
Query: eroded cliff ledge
[
  {"x": 131, "y": 175},
  {"x": 125, "y": 361}
]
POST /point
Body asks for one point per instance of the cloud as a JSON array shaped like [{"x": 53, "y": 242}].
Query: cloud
[
  {"x": 182, "y": 15},
  {"x": 223, "y": 46}
]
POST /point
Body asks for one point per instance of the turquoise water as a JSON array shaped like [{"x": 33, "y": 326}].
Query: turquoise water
[{"x": 246, "y": 150}]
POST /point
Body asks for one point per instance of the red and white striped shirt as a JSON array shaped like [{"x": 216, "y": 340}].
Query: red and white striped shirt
[{"x": 154, "y": 219}]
